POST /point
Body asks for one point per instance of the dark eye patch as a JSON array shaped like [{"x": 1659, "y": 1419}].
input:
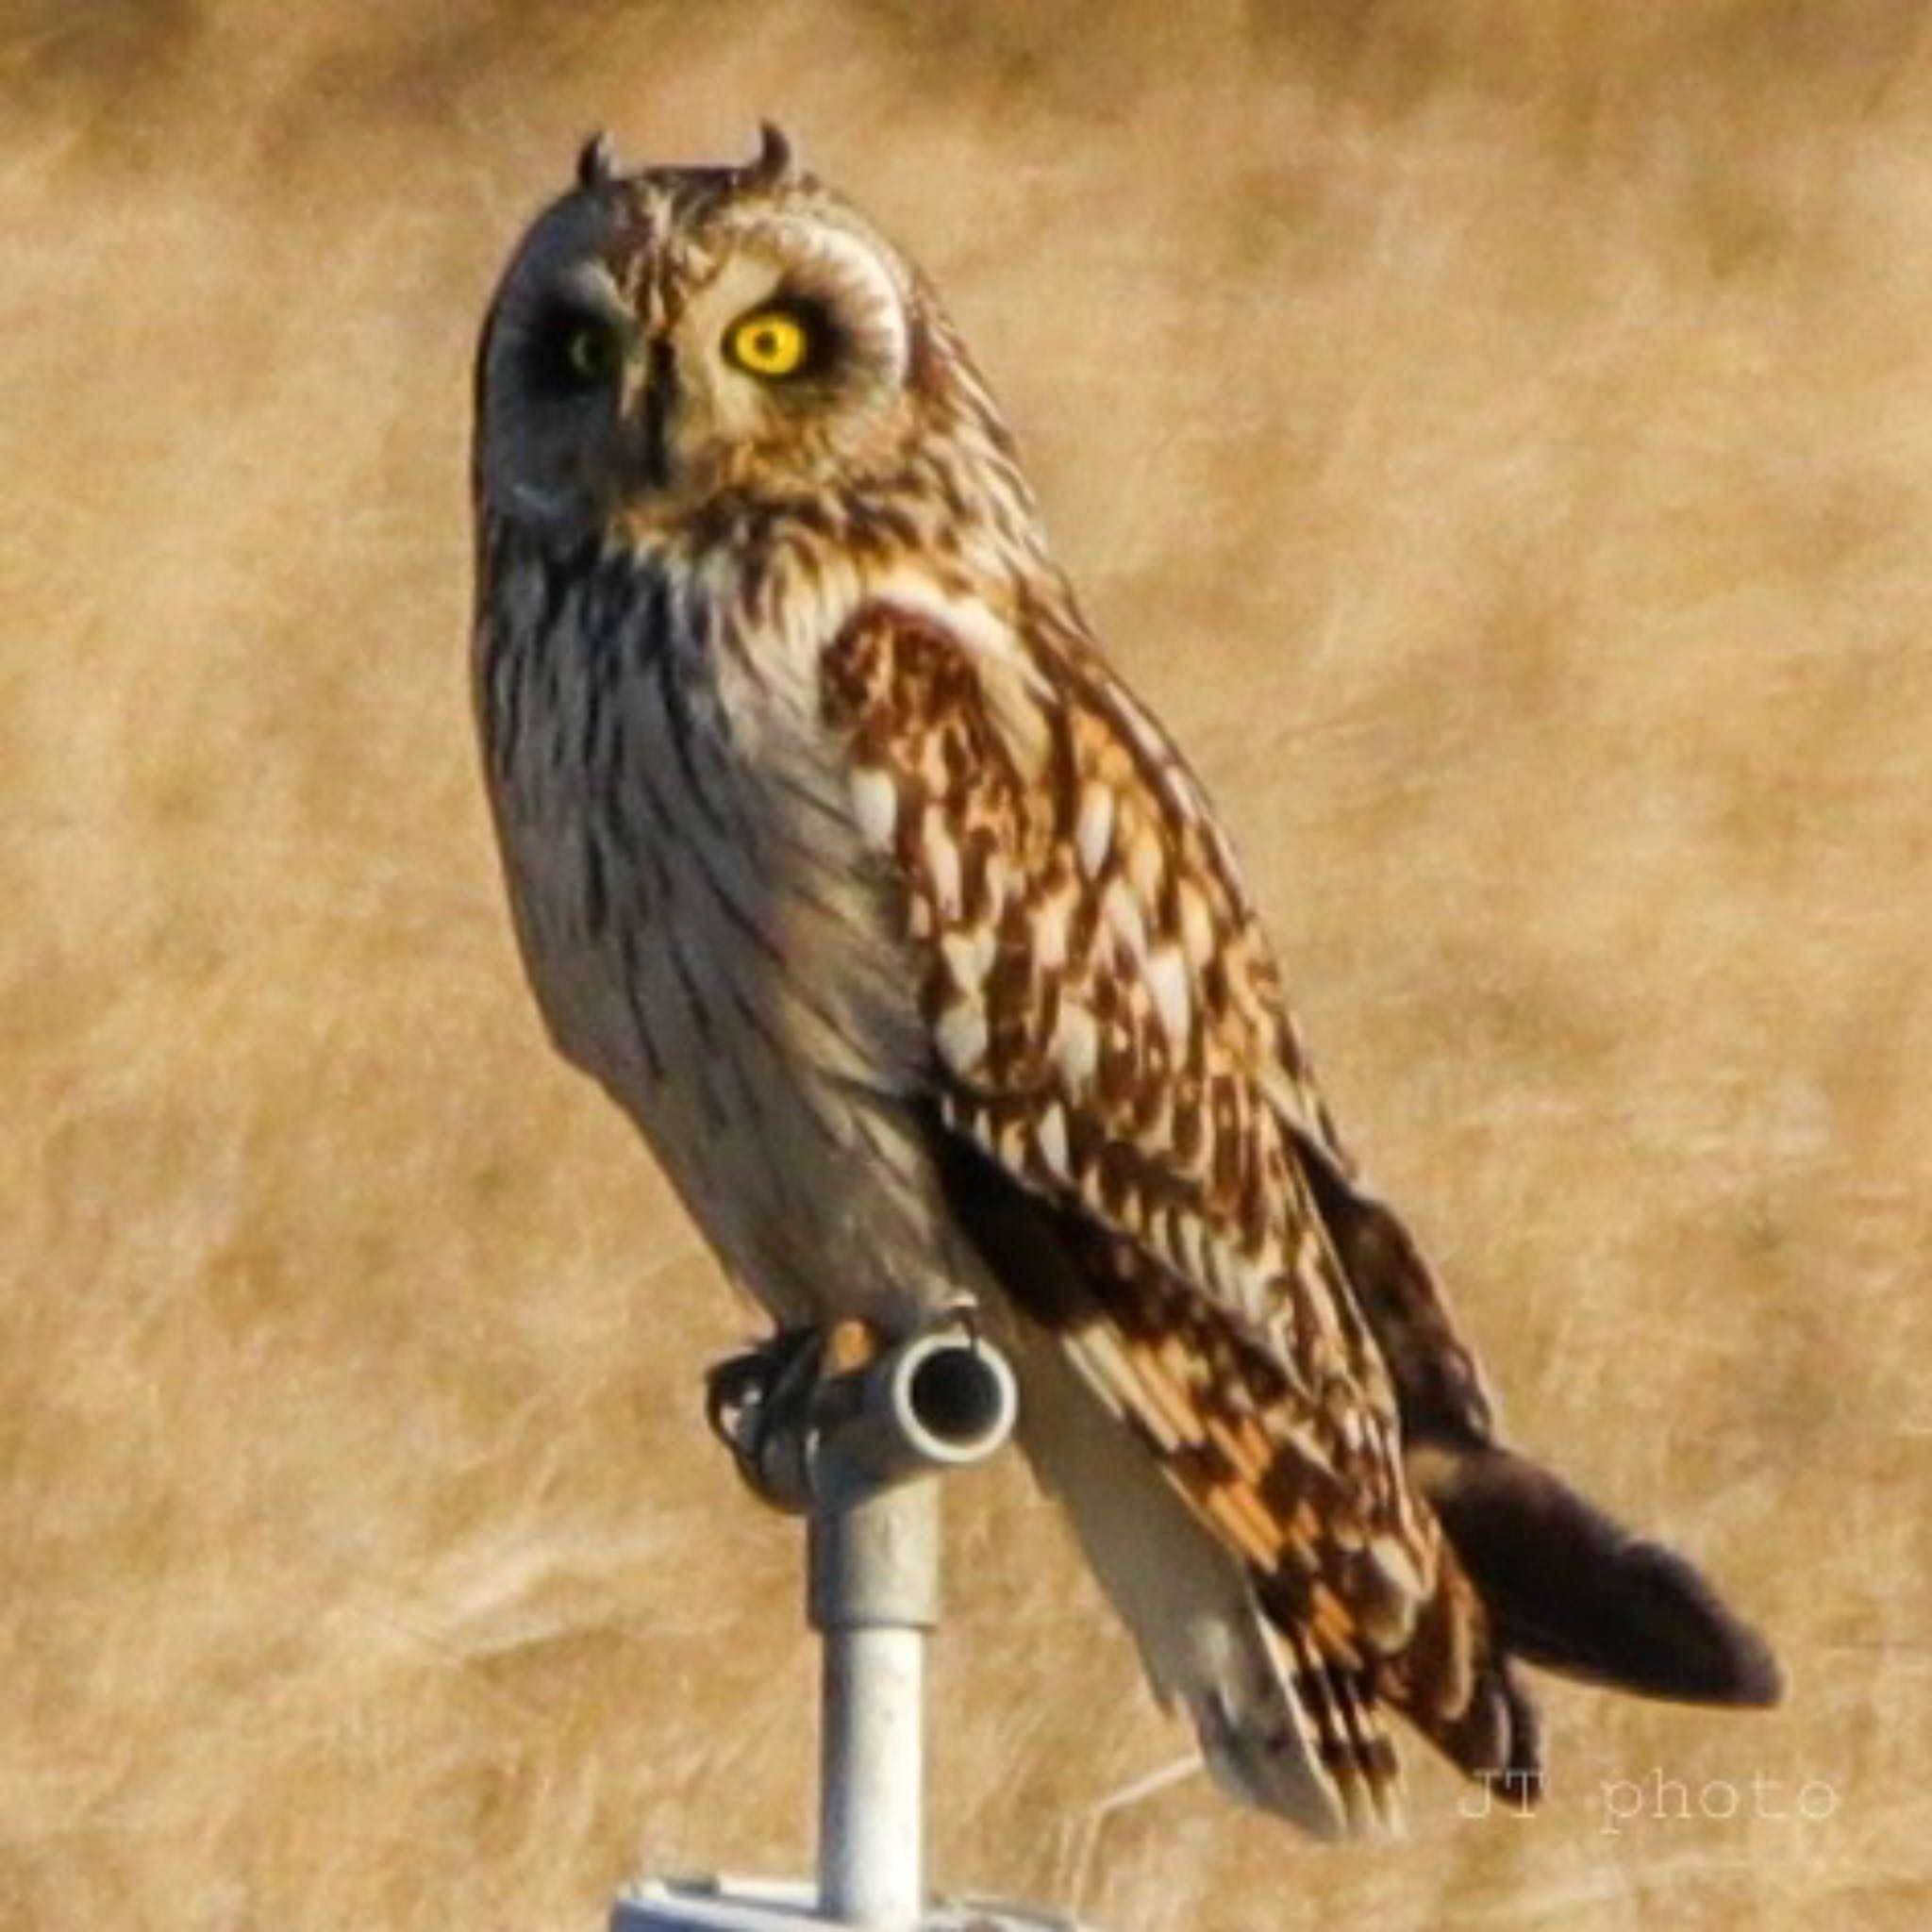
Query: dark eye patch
[{"x": 572, "y": 351}]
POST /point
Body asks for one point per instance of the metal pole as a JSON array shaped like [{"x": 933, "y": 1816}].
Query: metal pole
[
  {"x": 874, "y": 1596},
  {"x": 857, "y": 1453},
  {"x": 938, "y": 1402}
]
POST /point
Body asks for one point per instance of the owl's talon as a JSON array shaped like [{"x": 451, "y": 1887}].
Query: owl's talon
[
  {"x": 734, "y": 1392},
  {"x": 757, "y": 1405},
  {"x": 962, "y": 1316}
]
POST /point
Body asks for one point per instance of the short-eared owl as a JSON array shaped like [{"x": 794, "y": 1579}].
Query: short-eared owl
[{"x": 845, "y": 861}]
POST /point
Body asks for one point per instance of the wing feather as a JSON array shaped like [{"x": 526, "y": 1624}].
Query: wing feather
[{"x": 1111, "y": 1039}]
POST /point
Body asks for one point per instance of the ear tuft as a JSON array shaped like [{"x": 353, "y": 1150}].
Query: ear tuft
[
  {"x": 773, "y": 161},
  {"x": 596, "y": 162}
]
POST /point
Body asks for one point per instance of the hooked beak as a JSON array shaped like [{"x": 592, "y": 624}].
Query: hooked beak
[{"x": 649, "y": 412}]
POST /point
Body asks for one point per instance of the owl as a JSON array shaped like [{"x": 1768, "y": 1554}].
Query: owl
[{"x": 846, "y": 862}]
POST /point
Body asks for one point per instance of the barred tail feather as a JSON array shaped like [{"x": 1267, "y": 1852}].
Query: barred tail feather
[
  {"x": 1292, "y": 1734},
  {"x": 1453, "y": 1682},
  {"x": 1338, "y": 1711}
]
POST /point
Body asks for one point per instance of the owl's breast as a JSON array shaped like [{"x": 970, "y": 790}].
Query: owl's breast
[{"x": 707, "y": 937}]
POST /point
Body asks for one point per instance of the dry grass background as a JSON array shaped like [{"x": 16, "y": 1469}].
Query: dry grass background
[{"x": 1498, "y": 433}]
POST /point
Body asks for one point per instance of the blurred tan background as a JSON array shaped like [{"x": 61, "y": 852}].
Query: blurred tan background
[{"x": 1497, "y": 433}]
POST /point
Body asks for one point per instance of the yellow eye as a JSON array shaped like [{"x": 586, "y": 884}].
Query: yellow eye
[{"x": 769, "y": 342}]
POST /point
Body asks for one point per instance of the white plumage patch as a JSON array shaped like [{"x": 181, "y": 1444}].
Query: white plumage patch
[
  {"x": 875, "y": 807},
  {"x": 1075, "y": 1043},
  {"x": 941, "y": 857},
  {"x": 1051, "y": 1139},
  {"x": 1093, "y": 828},
  {"x": 1196, "y": 922},
  {"x": 1166, "y": 979},
  {"x": 968, "y": 954},
  {"x": 960, "y": 1036}
]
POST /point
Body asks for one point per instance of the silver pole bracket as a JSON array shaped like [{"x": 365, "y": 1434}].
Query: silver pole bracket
[{"x": 823, "y": 1418}]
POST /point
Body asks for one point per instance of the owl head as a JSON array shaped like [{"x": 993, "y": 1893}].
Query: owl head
[{"x": 670, "y": 343}]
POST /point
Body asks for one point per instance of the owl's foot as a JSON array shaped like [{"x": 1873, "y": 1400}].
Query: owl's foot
[
  {"x": 935, "y": 1399},
  {"x": 764, "y": 1405},
  {"x": 964, "y": 1317}
]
